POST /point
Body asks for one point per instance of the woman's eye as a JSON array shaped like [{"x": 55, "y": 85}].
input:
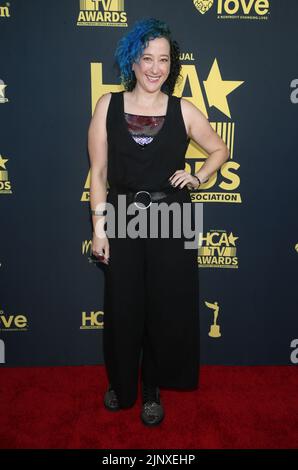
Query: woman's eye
[{"x": 149, "y": 58}]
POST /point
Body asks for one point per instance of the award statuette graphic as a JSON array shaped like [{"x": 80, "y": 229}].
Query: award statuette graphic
[
  {"x": 214, "y": 329},
  {"x": 2, "y": 94}
]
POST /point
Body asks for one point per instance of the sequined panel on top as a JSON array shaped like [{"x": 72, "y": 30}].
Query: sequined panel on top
[{"x": 143, "y": 128}]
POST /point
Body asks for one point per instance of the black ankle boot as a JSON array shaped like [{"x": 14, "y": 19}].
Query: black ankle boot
[
  {"x": 111, "y": 400},
  {"x": 152, "y": 410}
]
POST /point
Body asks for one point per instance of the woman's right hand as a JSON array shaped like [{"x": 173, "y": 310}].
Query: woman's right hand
[{"x": 101, "y": 245}]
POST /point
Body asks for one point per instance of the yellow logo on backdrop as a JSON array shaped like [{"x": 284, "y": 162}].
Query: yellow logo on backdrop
[
  {"x": 214, "y": 331},
  {"x": 236, "y": 9},
  {"x": 5, "y": 185},
  {"x": 217, "y": 249},
  {"x": 102, "y": 13},
  {"x": 203, "y": 5},
  {"x": 92, "y": 320},
  {"x": 187, "y": 56},
  {"x": 217, "y": 90},
  {"x": 13, "y": 322},
  {"x": 86, "y": 247},
  {"x": 4, "y": 11}
]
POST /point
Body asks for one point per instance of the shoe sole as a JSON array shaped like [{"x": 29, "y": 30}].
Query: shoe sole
[
  {"x": 111, "y": 409},
  {"x": 151, "y": 424}
]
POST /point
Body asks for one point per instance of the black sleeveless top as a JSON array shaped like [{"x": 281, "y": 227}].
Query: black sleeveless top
[{"x": 148, "y": 167}]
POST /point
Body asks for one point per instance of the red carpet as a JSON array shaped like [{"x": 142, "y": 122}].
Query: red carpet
[{"x": 235, "y": 407}]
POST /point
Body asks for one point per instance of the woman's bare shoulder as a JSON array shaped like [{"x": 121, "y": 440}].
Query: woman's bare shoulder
[{"x": 103, "y": 103}]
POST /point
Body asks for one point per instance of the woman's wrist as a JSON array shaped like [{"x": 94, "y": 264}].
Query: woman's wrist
[
  {"x": 99, "y": 233},
  {"x": 201, "y": 178},
  {"x": 198, "y": 180}
]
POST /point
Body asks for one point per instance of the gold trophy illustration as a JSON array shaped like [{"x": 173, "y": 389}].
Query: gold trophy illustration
[{"x": 214, "y": 329}]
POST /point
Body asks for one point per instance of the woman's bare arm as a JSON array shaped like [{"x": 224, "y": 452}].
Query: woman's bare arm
[
  {"x": 200, "y": 130},
  {"x": 98, "y": 154}
]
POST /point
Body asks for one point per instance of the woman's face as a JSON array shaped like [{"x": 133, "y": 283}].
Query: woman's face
[{"x": 153, "y": 68}]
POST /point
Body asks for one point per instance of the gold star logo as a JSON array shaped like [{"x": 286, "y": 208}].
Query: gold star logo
[
  {"x": 218, "y": 89},
  {"x": 3, "y": 161},
  {"x": 232, "y": 239}
]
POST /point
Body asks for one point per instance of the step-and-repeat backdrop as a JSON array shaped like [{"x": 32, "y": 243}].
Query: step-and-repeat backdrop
[{"x": 239, "y": 60}]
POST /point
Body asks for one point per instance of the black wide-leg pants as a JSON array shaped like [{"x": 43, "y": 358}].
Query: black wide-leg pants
[{"x": 151, "y": 312}]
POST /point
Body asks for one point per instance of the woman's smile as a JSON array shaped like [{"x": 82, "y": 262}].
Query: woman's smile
[{"x": 152, "y": 79}]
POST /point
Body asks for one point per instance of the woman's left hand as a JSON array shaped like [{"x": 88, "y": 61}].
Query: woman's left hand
[{"x": 181, "y": 178}]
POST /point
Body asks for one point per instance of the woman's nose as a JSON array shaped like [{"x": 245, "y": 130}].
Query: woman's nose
[{"x": 155, "y": 67}]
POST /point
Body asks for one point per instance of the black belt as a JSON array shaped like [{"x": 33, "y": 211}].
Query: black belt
[{"x": 143, "y": 199}]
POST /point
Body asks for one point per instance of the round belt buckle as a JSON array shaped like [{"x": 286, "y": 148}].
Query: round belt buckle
[{"x": 146, "y": 198}]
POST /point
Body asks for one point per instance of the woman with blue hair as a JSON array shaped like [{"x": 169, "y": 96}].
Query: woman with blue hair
[{"x": 137, "y": 142}]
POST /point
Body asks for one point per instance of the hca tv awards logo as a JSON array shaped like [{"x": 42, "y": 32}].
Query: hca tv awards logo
[
  {"x": 102, "y": 13},
  {"x": 223, "y": 186},
  {"x": 217, "y": 249},
  {"x": 93, "y": 320},
  {"x": 5, "y": 184},
  {"x": 235, "y": 9}
]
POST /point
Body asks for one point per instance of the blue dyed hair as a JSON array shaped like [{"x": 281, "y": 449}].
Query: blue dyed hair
[{"x": 130, "y": 47}]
